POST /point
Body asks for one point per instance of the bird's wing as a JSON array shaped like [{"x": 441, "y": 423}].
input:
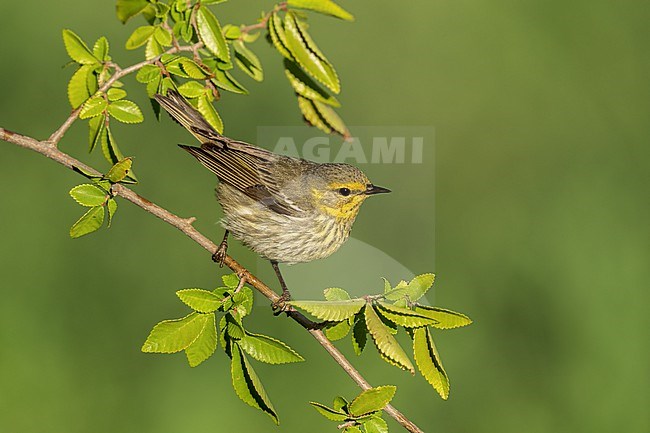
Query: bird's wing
[{"x": 240, "y": 165}]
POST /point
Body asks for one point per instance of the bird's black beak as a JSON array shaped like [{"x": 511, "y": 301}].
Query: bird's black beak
[{"x": 373, "y": 189}]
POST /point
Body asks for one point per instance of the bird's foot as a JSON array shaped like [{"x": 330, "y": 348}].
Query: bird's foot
[
  {"x": 220, "y": 255},
  {"x": 280, "y": 305}
]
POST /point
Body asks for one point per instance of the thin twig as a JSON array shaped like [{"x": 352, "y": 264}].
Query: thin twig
[{"x": 185, "y": 225}]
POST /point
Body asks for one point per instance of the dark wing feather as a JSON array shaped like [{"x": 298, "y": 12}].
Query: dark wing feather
[{"x": 235, "y": 163}]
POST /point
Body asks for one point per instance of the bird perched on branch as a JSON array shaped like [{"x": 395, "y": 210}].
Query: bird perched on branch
[{"x": 285, "y": 209}]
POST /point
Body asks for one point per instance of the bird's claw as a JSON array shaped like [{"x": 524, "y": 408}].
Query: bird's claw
[
  {"x": 220, "y": 255},
  {"x": 280, "y": 305}
]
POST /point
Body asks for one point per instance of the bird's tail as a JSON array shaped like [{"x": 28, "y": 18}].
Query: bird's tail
[{"x": 187, "y": 116}]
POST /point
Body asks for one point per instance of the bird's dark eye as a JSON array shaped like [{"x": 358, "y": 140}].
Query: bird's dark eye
[{"x": 344, "y": 192}]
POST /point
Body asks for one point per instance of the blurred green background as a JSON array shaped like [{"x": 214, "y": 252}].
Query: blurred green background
[{"x": 541, "y": 224}]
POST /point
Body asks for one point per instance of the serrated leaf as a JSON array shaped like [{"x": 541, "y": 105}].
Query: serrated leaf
[
  {"x": 278, "y": 37},
  {"x": 191, "y": 89},
  {"x": 234, "y": 327},
  {"x": 77, "y": 89},
  {"x": 336, "y": 294},
  {"x": 205, "y": 344},
  {"x": 242, "y": 301},
  {"x": 445, "y": 319},
  {"x": 88, "y": 223},
  {"x": 331, "y": 310},
  {"x": 338, "y": 331},
  {"x": 305, "y": 86},
  {"x": 329, "y": 116},
  {"x": 375, "y": 425},
  {"x": 329, "y": 413},
  {"x": 404, "y": 316},
  {"x": 200, "y": 300},
  {"x": 129, "y": 8},
  {"x": 125, "y": 111},
  {"x": 359, "y": 334},
  {"x": 428, "y": 362},
  {"x": 311, "y": 116},
  {"x": 224, "y": 80},
  {"x": 208, "y": 111},
  {"x": 93, "y": 107},
  {"x": 88, "y": 195},
  {"x": 119, "y": 170},
  {"x": 77, "y": 49},
  {"x": 113, "y": 154},
  {"x": 247, "y": 384},
  {"x": 210, "y": 34},
  {"x": 148, "y": 73},
  {"x": 307, "y": 55},
  {"x": 115, "y": 94},
  {"x": 111, "y": 206},
  {"x": 248, "y": 61},
  {"x": 230, "y": 280},
  {"x": 139, "y": 37},
  {"x": 327, "y": 7},
  {"x": 170, "y": 336},
  {"x": 100, "y": 49},
  {"x": 192, "y": 69},
  {"x": 268, "y": 350},
  {"x": 412, "y": 291},
  {"x": 153, "y": 49},
  {"x": 385, "y": 342},
  {"x": 371, "y": 400},
  {"x": 352, "y": 429},
  {"x": 231, "y": 32},
  {"x": 153, "y": 86},
  {"x": 163, "y": 36},
  {"x": 340, "y": 403}
]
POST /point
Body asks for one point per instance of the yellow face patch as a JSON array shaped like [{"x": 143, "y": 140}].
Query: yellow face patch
[{"x": 346, "y": 207}]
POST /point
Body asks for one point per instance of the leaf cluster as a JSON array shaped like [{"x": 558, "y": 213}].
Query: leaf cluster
[
  {"x": 363, "y": 413},
  {"x": 200, "y": 332},
  {"x": 381, "y": 316}
]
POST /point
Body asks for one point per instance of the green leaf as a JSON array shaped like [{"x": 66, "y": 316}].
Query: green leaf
[
  {"x": 445, "y": 319},
  {"x": 243, "y": 301},
  {"x": 248, "y": 61},
  {"x": 269, "y": 350},
  {"x": 385, "y": 342},
  {"x": 88, "y": 223},
  {"x": 336, "y": 294},
  {"x": 163, "y": 36},
  {"x": 205, "y": 344},
  {"x": 112, "y": 208},
  {"x": 88, "y": 195},
  {"x": 125, "y": 111},
  {"x": 170, "y": 336},
  {"x": 307, "y": 54},
  {"x": 191, "y": 89},
  {"x": 148, "y": 73},
  {"x": 412, "y": 291},
  {"x": 129, "y": 8},
  {"x": 224, "y": 80},
  {"x": 200, "y": 300},
  {"x": 428, "y": 362},
  {"x": 371, "y": 400},
  {"x": 326, "y": 7},
  {"x": 230, "y": 280},
  {"x": 100, "y": 49},
  {"x": 278, "y": 36},
  {"x": 153, "y": 49},
  {"x": 247, "y": 384},
  {"x": 329, "y": 413},
  {"x": 404, "y": 316},
  {"x": 210, "y": 34},
  {"x": 192, "y": 69},
  {"x": 305, "y": 86},
  {"x": 77, "y": 49},
  {"x": 97, "y": 128},
  {"x": 208, "y": 111},
  {"x": 338, "y": 331},
  {"x": 93, "y": 107},
  {"x": 139, "y": 37},
  {"x": 153, "y": 87},
  {"x": 340, "y": 404},
  {"x": 331, "y": 310},
  {"x": 352, "y": 429},
  {"x": 119, "y": 170},
  {"x": 311, "y": 116},
  {"x": 375, "y": 425},
  {"x": 329, "y": 116},
  {"x": 78, "y": 91},
  {"x": 359, "y": 334},
  {"x": 115, "y": 94},
  {"x": 234, "y": 327},
  {"x": 231, "y": 32}
]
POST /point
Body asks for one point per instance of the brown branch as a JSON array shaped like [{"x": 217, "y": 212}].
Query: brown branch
[{"x": 185, "y": 225}]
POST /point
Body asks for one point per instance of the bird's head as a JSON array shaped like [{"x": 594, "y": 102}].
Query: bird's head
[{"x": 339, "y": 189}]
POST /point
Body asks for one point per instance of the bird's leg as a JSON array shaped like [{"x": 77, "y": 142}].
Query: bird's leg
[
  {"x": 220, "y": 255},
  {"x": 279, "y": 305}
]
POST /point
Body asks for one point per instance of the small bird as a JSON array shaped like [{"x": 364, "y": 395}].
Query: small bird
[{"x": 287, "y": 210}]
